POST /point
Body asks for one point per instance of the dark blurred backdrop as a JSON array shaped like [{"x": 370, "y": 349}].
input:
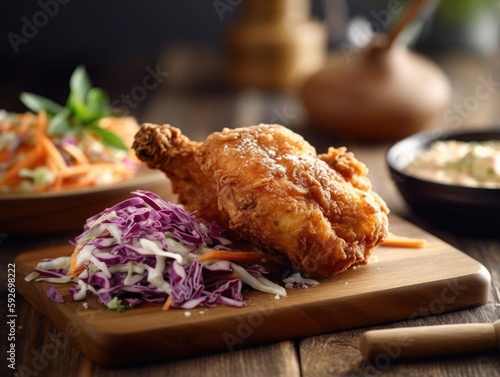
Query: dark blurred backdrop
[
  {"x": 42, "y": 41},
  {"x": 114, "y": 39}
]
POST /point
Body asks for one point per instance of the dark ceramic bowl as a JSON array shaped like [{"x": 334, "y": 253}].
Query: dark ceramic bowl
[{"x": 475, "y": 210}]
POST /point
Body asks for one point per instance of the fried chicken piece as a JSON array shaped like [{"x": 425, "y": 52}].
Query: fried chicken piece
[
  {"x": 167, "y": 149},
  {"x": 276, "y": 192}
]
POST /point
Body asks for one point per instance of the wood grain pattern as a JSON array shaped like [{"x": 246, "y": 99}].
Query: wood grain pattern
[
  {"x": 194, "y": 99},
  {"x": 277, "y": 359},
  {"x": 397, "y": 283},
  {"x": 337, "y": 355}
]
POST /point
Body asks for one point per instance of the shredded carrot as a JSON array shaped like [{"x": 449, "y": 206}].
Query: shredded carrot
[
  {"x": 33, "y": 154},
  {"x": 77, "y": 155},
  {"x": 168, "y": 302},
  {"x": 242, "y": 256},
  {"x": 85, "y": 181},
  {"x": 74, "y": 171},
  {"x": 59, "y": 178},
  {"x": 72, "y": 166},
  {"x": 224, "y": 276},
  {"x": 229, "y": 276},
  {"x": 12, "y": 176},
  {"x": 52, "y": 152},
  {"x": 42, "y": 124},
  {"x": 4, "y": 156},
  {"x": 398, "y": 241},
  {"x": 74, "y": 270}
]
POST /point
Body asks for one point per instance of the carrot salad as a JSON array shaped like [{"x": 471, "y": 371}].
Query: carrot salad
[
  {"x": 53, "y": 147},
  {"x": 31, "y": 160}
]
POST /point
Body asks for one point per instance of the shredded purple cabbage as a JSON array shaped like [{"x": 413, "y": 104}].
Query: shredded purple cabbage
[
  {"x": 145, "y": 249},
  {"x": 53, "y": 294}
]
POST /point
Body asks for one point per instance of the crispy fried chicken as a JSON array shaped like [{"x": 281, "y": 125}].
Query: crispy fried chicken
[{"x": 267, "y": 184}]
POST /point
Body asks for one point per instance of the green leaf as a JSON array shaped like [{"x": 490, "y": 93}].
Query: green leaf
[
  {"x": 87, "y": 104},
  {"x": 109, "y": 138},
  {"x": 60, "y": 125},
  {"x": 37, "y": 103},
  {"x": 79, "y": 84},
  {"x": 98, "y": 101},
  {"x": 75, "y": 106},
  {"x": 97, "y": 106},
  {"x": 84, "y": 107}
]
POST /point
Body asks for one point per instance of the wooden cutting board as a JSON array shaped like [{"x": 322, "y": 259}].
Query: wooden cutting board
[{"x": 396, "y": 284}]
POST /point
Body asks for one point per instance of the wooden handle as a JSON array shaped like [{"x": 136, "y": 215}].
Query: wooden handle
[
  {"x": 427, "y": 341},
  {"x": 407, "y": 18}
]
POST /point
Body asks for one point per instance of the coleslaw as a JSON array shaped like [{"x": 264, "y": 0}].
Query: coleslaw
[
  {"x": 145, "y": 249},
  {"x": 471, "y": 164}
]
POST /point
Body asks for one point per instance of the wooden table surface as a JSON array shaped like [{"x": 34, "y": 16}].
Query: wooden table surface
[{"x": 192, "y": 98}]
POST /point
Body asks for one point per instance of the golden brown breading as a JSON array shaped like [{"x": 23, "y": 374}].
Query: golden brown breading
[
  {"x": 167, "y": 149},
  {"x": 320, "y": 212},
  {"x": 275, "y": 191}
]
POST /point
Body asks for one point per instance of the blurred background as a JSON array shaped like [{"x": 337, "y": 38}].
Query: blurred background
[{"x": 202, "y": 47}]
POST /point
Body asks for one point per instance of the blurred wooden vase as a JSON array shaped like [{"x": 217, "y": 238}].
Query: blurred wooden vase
[
  {"x": 276, "y": 45},
  {"x": 379, "y": 93}
]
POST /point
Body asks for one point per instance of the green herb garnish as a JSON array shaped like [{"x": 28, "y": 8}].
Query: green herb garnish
[
  {"x": 116, "y": 306},
  {"x": 84, "y": 107}
]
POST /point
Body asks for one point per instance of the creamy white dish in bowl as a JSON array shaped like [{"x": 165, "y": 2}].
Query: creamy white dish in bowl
[{"x": 451, "y": 179}]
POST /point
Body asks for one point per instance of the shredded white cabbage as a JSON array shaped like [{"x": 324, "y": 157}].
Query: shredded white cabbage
[
  {"x": 260, "y": 283},
  {"x": 156, "y": 248},
  {"x": 54, "y": 264},
  {"x": 155, "y": 275}
]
